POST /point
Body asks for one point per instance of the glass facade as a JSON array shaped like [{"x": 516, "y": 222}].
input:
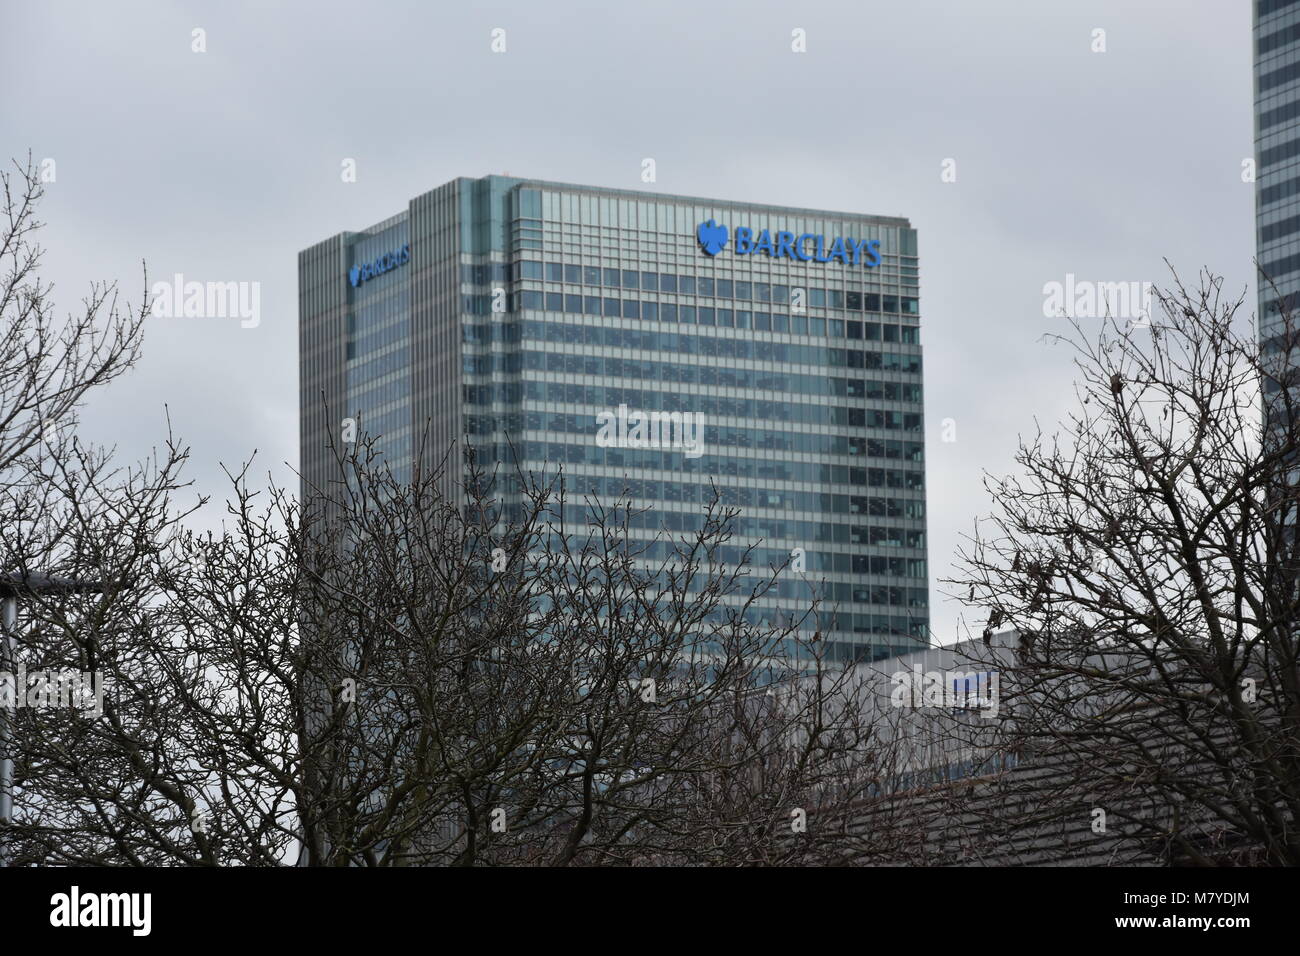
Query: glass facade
[
  {"x": 1277, "y": 150},
  {"x": 551, "y": 318},
  {"x": 378, "y": 352}
]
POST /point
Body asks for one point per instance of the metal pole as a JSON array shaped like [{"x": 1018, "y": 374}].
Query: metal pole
[
  {"x": 12, "y": 584},
  {"x": 8, "y": 619}
]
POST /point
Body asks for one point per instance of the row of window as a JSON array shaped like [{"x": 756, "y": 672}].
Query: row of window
[
  {"x": 759, "y": 468},
  {"x": 1279, "y": 77},
  {"x": 797, "y": 533},
  {"x": 1279, "y": 229},
  {"x": 377, "y": 323},
  {"x": 744, "y": 289},
  {"x": 877, "y": 625},
  {"x": 610, "y": 488},
  {"x": 1283, "y": 190},
  {"x": 842, "y": 592},
  {"x": 817, "y": 562},
  {"x": 687, "y": 343},
  {"x": 1279, "y": 115},
  {"x": 394, "y": 425},
  {"x": 681, "y": 374},
  {"x": 672, "y": 311},
  {"x": 1265, "y": 7},
  {"x": 712, "y": 407},
  {"x": 1276, "y": 154},
  {"x": 375, "y": 341},
  {"x": 800, "y": 592},
  {"x": 611, "y": 397},
  {"x": 1277, "y": 39},
  {"x": 753, "y": 409},
  {"x": 369, "y": 369},
  {"x": 761, "y": 558},
  {"x": 690, "y": 343},
  {"x": 377, "y": 393},
  {"x": 727, "y": 436},
  {"x": 1275, "y": 269}
]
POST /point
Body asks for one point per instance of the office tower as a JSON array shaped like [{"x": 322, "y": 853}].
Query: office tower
[{"x": 649, "y": 344}]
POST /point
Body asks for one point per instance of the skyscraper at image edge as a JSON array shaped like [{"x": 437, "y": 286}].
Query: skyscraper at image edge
[
  {"x": 503, "y": 306},
  {"x": 1276, "y": 39}
]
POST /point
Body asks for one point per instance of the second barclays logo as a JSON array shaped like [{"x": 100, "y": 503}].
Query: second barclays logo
[
  {"x": 385, "y": 263},
  {"x": 808, "y": 247}
]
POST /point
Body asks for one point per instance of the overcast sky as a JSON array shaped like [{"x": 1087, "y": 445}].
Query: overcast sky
[{"x": 221, "y": 165}]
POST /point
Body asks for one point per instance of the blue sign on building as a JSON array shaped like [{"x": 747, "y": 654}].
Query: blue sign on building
[
  {"x": 385, "y": 263},
  {"x": 806, "y": 248}
]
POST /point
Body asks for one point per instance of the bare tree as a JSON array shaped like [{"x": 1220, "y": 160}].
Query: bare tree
[
  {"x": 48, "y": 364},
  {"x": 69, "y": 509},
  {"x": 416, "y": 680},
  {"x": 1146, "y": 554},
  {"x": 473, "y": 667},
  {"x": 525, "y": 686}
]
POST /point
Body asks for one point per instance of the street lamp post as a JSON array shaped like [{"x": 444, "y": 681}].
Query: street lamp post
[{"x": 14, "y": 585}]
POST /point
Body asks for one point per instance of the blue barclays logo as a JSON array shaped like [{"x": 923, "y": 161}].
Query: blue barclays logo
[
  {"x": 865, "y": 252},
  {"x": 385, "y": 263},
  {"x": 712, "y": 236}
]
